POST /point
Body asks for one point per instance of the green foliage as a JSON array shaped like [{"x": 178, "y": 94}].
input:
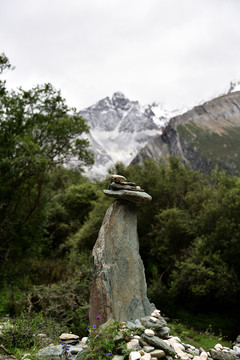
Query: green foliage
[
  {"x": 50, "y": 216},
  {"x": 69, "y": 210},
  {"x": 66, "y": 301},
  {"x": 101, "y": 341},
  {"x": 204, "y": 273},
  {"x": 205, "y": 339},
  {"x": 22, "y": 332},
  {"x": 210, "y": 322},
  {"x": 4, "y": 65},
  {"x": 65, "y": 354},
  {"x": 189, "y": 236},
  {"x": 87, "y": 235},
  {"x": 215, "y": 149},
  {"x": 79, "y": 200},
  {"x": 38, "y": 132}
]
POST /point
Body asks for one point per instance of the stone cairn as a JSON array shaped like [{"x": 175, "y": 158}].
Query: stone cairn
[{"x": 119, "y": 290}]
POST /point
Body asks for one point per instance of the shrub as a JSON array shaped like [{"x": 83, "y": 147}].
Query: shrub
[{"x": 21, "y": 332}]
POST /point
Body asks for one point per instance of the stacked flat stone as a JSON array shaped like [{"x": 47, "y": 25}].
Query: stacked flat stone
[
  {"x": 120, "y": 188},
  {"x": 119, "y": 182},
  {"x": 69, "y": 338}
]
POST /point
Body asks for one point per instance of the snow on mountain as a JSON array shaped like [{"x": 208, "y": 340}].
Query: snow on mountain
[
  {"x": 234, "y": 86},
  {"x": 119, "y": 128},
  {"x": 162, "y": 116}
]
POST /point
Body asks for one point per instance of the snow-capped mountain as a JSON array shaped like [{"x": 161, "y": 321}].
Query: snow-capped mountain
[{"x": 119, "y": 128}]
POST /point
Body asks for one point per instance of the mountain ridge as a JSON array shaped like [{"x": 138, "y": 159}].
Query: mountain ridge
[
  {"x": 124, "y": 131},
  {"x": 204, "y": 137}
]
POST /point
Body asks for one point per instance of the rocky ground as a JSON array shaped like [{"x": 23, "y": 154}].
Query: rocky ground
[{"x": 155, "y": 342}]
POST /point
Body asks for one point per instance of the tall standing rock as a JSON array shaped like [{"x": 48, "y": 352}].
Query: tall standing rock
[{"x": 119, "y": 287}]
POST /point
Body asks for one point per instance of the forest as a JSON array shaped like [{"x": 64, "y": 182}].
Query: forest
[{"x": 50, "y": 215}]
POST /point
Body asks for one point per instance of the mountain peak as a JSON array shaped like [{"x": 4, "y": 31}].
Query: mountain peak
[
  {"x": 119, "y": 95},
  {"x": 119, "y": 100}
]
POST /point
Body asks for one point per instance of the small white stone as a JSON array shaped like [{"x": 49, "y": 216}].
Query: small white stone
[
  {"x": 218, "y": 347},
  {"x": 41, "y": 335},
  {"x": 153, "y": 318},
  {"x": 178, "y": 346},
  {"x": 236, "y": 349},
  {"x": 184, "y": 357},
  {"x": 84, "y": 342},
  {"x": 137, "y": 337},
  {"x": 75, "y": 350},
  {"x": 156, "y": 313},
  {"x": 132, "y": 344},
  {"x": 176, "y": 338},
  {"x": 134, "y": 355},
  {"x": 149, "y": 332},
  {"x": 157, "y": 353},
  {"x": 146, "y": 356},
  {"x": 119, "y": 178},
  {"x": 167, "y": 342},
  {"x": 172, "y": 341},
  {"x": 203, "y": 355},
  {"x": 68, "y": 336}
]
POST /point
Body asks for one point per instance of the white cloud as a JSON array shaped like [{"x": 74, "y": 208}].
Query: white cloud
[{"x": 175, "y": 52}]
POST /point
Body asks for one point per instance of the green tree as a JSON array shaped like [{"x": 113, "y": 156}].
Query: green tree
[
  {"x": 204, "y": 274},
  {"x": 69, "y": 210},
  {"x": 38, "y": 132},
  {"x": 4, "y": 65}
]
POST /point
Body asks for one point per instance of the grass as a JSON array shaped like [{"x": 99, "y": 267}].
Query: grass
[
  {"x": 206, "y": 340},
  {"x": 221, "y": 150}
]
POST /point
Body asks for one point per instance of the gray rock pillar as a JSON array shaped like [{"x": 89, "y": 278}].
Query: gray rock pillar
[{"x": 119, "y": 289}]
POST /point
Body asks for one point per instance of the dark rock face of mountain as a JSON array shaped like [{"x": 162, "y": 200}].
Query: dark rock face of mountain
[{"x": 204, "y": 137}]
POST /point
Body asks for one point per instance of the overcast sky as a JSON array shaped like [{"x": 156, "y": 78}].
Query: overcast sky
[{"x": 176, "y": 52}]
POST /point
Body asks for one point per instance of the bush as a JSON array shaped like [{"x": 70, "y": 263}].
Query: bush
[
  {"x": 65, "y": 302},
  {"x": 22, "y": 332}
]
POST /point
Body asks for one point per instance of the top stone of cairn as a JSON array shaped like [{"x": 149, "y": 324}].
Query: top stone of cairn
[{"x": 120, "y": 188}]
